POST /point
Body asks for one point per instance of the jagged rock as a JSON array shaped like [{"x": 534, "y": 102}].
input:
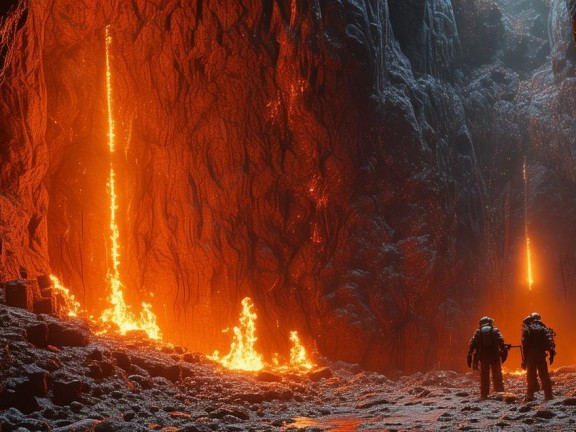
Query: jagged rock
[
  {"x": 570, "y": 401},
  {"x": 266, "y": 376},
  {"x": 544, "y": 413},
  {"x": 224, "y": 411},
  {"x": 61, "y": 334},
  {"x": 21, "y": 294},
  {"x": 86, "y": 425},
  {"x": 46, "y": 306},
  {"x": 119, "y": 426},
  {"x": 38, "y": 334},
  {"x": 318, "y": 374},
  {"x": 122, "y": 360},
  {"x": 67, "y": 391}
]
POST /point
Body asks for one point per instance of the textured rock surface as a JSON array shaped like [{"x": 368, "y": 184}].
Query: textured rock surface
[{"x": 350, "y": 165}]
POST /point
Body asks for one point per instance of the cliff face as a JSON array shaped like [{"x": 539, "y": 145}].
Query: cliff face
[{"x": 329, "y": 159}]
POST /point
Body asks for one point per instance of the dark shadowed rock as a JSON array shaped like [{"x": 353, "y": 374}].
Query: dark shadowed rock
[
  {"x": 46, "y": 306},
  {"x": 229, "y": 410},
  {"x": 318, "y": 374},
  {"x": 266, "y": 376},
  {"x": 119, "y": 426},
  {"x": 67, "y": 391},
  {"x": 20, "y": 294},
  {"x": 86, "y": 425},
  {"x": 38, "y": 334},
  {"x": 64, "y": 334},
  {"x": 122, "y": 360}
]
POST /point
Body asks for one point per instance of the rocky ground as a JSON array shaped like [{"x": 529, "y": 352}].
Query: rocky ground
[{"x": 57, "y": 375}]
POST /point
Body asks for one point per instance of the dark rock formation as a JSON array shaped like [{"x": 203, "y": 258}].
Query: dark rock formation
[{"x": 354, "y": 166}]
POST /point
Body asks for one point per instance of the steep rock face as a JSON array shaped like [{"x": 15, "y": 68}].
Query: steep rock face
[
  {"x": 350, "y": 165},
  {"x": 278, "y": 150}
]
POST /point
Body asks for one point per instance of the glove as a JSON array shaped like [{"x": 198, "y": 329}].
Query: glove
[
  {"x": 469, "y": 360},
  {"x": 523, "y": 365},
  {"x": 552, "y": 355},
  {"x": 503, "y": 355}
]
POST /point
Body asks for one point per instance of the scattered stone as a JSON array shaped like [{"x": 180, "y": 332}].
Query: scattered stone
[
  {"x": 122, "y": 360},
  {"x": 86, "y": 425},
  {"x": 266, "y": 376},
  {"x": 191, "y": 358},
  {"x": 544, "y": 413},
  {"x": 76, "y": 406},
  {"x": 318, "y": 374},
  {"x": 510, "y": 398},
  {"x": 66, "y": 392},
  {"x": 119, "y": 426},
  {"x": 570, "y": 401},
  {"x": 372, "y": 403},
  {"x": 229, "y": 410}
]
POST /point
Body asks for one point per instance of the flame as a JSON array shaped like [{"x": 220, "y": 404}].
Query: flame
[
  {"x": 71, "y": 306},
  {"x": 243, "y": 355},
  {"x": 529, "y": 276},
  {"x": 298, "y": 355},
  {"x": 120, "y": 313}
]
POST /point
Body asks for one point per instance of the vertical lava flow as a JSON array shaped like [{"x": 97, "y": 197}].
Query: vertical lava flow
[
  {"x": 529, "y": 277},
  {"x": 120, "y": 313}
]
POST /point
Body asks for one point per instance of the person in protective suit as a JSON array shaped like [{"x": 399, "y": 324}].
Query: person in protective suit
[
  {"x": 537, "y": 340},
  {"x": 487, "y": 348}
]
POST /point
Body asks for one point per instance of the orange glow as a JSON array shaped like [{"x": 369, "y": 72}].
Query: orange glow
[
  {"x": 243, "y": 355},
  {"x": 119, "y": 313},
  {"x": 71, "y": 306},
  {"x": 515, "y": 372},
  {"x": 529, "y": 276},
  {"x": 298, "y": 355}
]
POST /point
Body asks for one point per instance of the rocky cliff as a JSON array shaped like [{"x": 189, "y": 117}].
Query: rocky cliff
[{"x": 353, "y": 166}]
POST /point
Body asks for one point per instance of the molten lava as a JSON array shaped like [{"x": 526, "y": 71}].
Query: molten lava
[
  {"x": 529, "y": 277},
  {"x": 71, "y": 306},
  {"x": 243, "y": 354},
  {"x": 120, "y": 313}
]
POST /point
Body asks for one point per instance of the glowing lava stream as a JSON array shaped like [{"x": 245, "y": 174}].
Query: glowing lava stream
[
  {"x": 71, "y": 306},
  {"x": 243, "y": 354},
  {"x": 529, "y": 277},
  {"x": 120, "y": 313}
]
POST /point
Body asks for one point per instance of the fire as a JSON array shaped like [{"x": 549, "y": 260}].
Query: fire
[
  {"x": 243, "y": 355},
  {"x": 71, "y": 306},
  {"x": 120, "y": 313},
  {"x": 298, "y": 355}
]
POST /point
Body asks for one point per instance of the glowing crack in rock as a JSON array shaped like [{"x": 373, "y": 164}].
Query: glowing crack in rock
[
  {"x": 119, "y": 313},
  {"x": 243, "y": 354},
  {"x": 71, "y": 306},
  {"x": 529, "y": 276}
]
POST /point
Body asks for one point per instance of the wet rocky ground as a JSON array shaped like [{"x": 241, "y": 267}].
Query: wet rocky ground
[{"x": 58, "y": 376}]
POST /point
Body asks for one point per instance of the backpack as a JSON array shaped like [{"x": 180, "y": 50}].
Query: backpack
[
  {"x": 486, "y": 339},
  {"x": 540, "y": 337}
]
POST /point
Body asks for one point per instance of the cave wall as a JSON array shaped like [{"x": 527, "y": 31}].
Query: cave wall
[{"x": 331, "y": 160}]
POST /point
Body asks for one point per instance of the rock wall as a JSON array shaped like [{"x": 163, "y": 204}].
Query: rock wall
[{"x": 332, "y": 160}]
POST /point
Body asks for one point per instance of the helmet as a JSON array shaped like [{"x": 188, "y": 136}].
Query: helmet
[
  {"x": 528, "y": 320},
  {"x": 486, "y": 321},
  {"x": 535, "y": 316}
]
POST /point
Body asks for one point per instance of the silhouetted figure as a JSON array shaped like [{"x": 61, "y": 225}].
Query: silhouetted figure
[
  {"x": 487, "y": 347},
  {"x": 537, "y": 340}
]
